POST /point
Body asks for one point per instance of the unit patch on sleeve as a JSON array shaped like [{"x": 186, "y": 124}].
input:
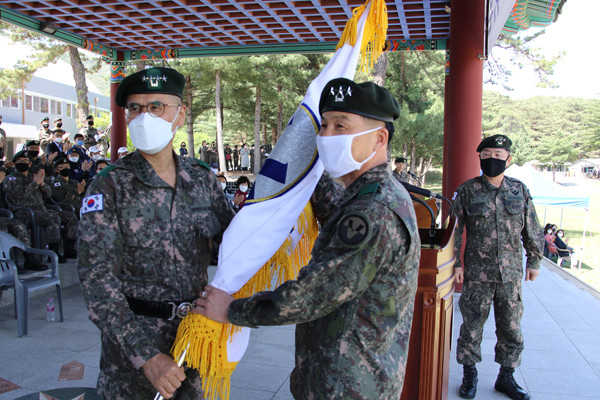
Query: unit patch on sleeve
[{"x": 92, "y": 203}]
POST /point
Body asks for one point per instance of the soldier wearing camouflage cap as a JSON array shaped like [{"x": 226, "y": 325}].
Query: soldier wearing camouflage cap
[
  {"x": 353, "y": 302},
  {"x": 498, "y": 214},
  {"x": 145, "y": 229}
]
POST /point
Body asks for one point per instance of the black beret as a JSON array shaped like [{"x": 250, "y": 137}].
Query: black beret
[
  {"x": 60, "y": 159},
  {"x": 152, "y": 80},
  {"x": 90, "y": 117},
  {"x": 495, "y": 142},
  {"x": 366, "y": 99},
  {"x": 400, "y": 159},
  {"x": 32, "y": 142},
  {"x": 57, "y": 119},
  {"x": 20, "y": 154},
  {"x": 45, "y": 119}
]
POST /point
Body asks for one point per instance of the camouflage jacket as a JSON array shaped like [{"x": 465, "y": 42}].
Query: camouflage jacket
[
  {"x": 65, "y": 191},
  {"x": 402, "y": 176},
  {"x": 22, "y": 191},
  {"x": 89, "y": 134},
  {"x": 146, "y": 240},
  {"x": 496, "y": 219},
  {"x": 353, "y": 302}
]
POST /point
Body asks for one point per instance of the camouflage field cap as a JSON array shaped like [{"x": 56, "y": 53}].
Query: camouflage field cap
[
  {"x": 20, "y": 154},
  {"x": 152, "y": 80},
  {"x": 495, "y": 142},
  {"x": 366, "y": 99}
]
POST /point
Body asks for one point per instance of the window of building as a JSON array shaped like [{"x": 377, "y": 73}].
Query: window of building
[
  {"x": 28, "y": 102},
  {"x": 36, "y": 103},
  {"x": 68, "y": 110},
  {"x": 14, "y": 102},
  {"x": 52, "y": 106},
  {"x": 59, "y": 107},
  {"x": 43, "y": 105}
]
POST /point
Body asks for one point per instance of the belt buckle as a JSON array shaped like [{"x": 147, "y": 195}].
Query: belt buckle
[{"x": 180, "y": 310}]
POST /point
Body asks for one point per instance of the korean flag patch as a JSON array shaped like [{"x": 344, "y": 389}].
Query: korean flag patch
[{"x": 92, "y": 203}]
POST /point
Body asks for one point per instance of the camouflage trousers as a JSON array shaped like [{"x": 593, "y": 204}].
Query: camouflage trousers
[
  {"x": 16, "y": 228},
  {"x": 120, "y": 380},
  {"x": 475, "y": 303},
  {"x": 52, "y": 221}
]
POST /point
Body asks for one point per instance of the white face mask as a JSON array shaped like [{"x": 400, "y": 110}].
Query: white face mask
[
  {"x": 74, "y": 159},
  {"x": 223, "y": 185},
  {"x": 151, "y": 134},
  {"x": 96, "y": 157},
  {"x": 214, "y": 170},
  {"x": 243, "y": 188},
  {"x": 336, "y": 153}
]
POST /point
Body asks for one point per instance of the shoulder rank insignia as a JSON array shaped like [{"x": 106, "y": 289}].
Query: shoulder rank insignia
[{"x": 353, "y": 229}]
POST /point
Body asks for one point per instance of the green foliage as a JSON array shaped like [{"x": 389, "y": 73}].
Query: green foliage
[{"x": 549, "y": 130}]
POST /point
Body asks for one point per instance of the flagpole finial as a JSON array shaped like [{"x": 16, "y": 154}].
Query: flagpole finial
[{"x": 374, "y": 32}]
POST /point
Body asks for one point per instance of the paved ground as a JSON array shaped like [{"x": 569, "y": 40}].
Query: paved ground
[{"x": 561, "y": 360}]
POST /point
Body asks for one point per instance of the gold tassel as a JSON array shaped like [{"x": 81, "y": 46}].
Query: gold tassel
[
  {"x": 208, "y": 339},
  {"x": 374, "y": 34}
]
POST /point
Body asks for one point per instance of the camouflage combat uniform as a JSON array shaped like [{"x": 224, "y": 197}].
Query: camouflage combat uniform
[
  {"x": 150, "y": 242},
  {"x": 402, "y": 176},
  {"x": 65, "y": 191},
  {"x": 22, "y": 191},
  {"x": 45, "y": 136},
  {"x": 2, "y": 143},
  {"x": 353, "y": 302},
  {"x": 16, "y": 228},
  {"x": 89, "y": 134},
  {"x": 496, "y": 219}
]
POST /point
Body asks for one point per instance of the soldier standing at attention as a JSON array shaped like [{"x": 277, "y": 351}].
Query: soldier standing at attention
[
  {"x": 399, "y": 173},
  {"x": 45, "y": 134},
  {"x": 144, "y": 246},
  {"x": 89, "y": 132},
  {"x": 497, "y": 212},
  {"x": 353, "y": 302}
]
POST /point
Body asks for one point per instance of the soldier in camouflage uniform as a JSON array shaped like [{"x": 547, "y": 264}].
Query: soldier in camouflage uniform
[
  {"x": 2, "y": 140},
  {"x": 89, "y": 132},
  {"x": 399, "y": 172},
  {"x": 65, "y": 190},
  {"x": 498, "y": 213},
  {"x": 30, "y": 191},
  {"x": 353, "y": 303},
  {"x": 45, "y": 133},
  {"x": 144, "y": 242}
]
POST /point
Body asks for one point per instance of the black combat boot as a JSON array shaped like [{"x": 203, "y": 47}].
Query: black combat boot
[
  {"x": 31, "y": 263},
  {"x": 506, "y": 384},
  {"x": 55, "y": 247},
  {"x": 71, "y": 248},
  {"x": 468, "y": 389}
]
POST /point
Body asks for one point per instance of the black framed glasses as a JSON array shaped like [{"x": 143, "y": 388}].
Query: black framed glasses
[{"x": 154, "y": 108}]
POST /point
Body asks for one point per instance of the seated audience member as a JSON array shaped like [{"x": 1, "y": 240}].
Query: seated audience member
[
  {"x": 65, "y": 190},
  {"x": 80, "y": 166},
  {"x": 122, "y": 152},
  {"x": 101, "y": 164},
  {"x": 223, "y": 181},
  {"x": 37, "y": 162},
  {"x": 549, "y": 237},
  {"x": 29, "y": 191},
  {"x": 561, "y": 244},
  {"x": 239, "y": 198}
]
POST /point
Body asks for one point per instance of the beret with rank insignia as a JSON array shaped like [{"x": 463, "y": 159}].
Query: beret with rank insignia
[
  {"x": 354, "y": 229},
  {"x": 495, "y": 142},
  {"x": 20, "y": 154},
  {"x": 367, "y": 99},
  {"x": 60, "y": 159},
  {"x": 32, "y": 143},
  {"x": 153, "y": 80}
]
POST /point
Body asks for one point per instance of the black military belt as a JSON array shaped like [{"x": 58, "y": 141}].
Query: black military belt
[{"x": 160, "y": 309}]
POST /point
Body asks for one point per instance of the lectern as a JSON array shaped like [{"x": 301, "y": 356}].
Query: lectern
[{"x": 429, "y": 348}]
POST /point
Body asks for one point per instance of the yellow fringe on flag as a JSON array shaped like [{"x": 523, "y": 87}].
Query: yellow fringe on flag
[
  {"x": 374, "y": 34},
  {"x": 208, "y": 339}
]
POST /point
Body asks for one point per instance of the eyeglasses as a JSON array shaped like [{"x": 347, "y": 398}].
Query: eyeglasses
[{"x": 154, "y": 108}]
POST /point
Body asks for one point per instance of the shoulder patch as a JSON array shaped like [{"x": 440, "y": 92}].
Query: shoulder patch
[
  {"x": 56, "y": 184},
  {"x": 106, "y": 170},
  {"x": 12, "y": 178},
  {"x": 91, "y": 203},
  {"x": 354, "y": 229},
  {"x": 202, "y": 163}
]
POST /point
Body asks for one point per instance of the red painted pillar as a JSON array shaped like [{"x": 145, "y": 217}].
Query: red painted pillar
[
  {"x": 118, "y": 131},
  {"x": 467, "y": 20}
]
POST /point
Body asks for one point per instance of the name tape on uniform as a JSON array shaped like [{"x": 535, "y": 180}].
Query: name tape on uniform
[{"x": 91, "y": 203}]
